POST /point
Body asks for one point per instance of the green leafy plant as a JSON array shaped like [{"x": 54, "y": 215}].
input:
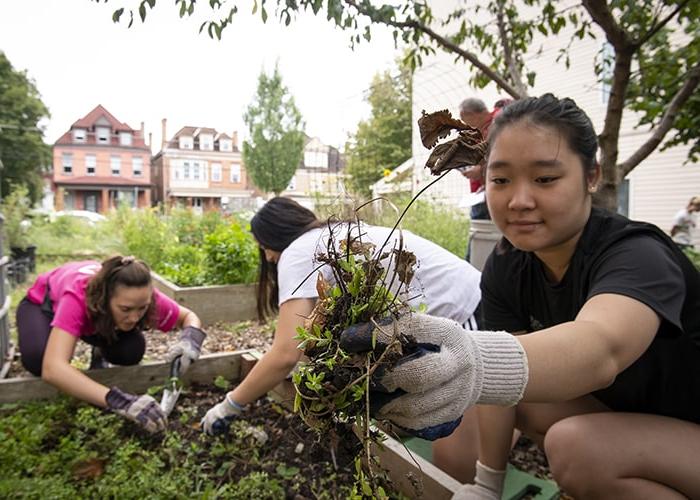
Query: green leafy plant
[
  {"x": 15, "y": 208},
  {"x": 332, "y": 388},
  {"x": 231, "y": 255}
]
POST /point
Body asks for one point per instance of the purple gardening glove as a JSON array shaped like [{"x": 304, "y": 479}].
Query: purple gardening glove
[
  {"x": 187, "y": 348},
  {"x": 143, "y": 410}
]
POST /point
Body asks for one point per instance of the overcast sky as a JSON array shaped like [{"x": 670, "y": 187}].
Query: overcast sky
[{"x": 165, "y": 69}]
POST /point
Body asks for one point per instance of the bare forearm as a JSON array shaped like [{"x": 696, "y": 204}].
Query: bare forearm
[
  {"x": 565, "y": 364},
  {"x": 73, "y": 382},
  {"x": 265, "y": 376}
]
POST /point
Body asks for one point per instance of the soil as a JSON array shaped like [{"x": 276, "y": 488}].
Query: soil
[
  {"x": 289, "y": 443},
  {"x": 526, "y": 455}
]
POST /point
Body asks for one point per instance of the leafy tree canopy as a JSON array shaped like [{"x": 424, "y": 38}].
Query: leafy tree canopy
[
  {"x": 651, "y": 63},
  {"x": 276, "y": 130},
  {"x": 383, "y": 141},
  {"x": 23, "y": 153}
]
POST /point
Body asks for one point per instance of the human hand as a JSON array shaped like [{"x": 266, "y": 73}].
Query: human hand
[
  {"x": 444, "y": 370},
  {"x": 219, "y": 417},
  {"x": 188, "y": 347},
  {"x": 488, "y": 485},
  {"x": 143, "y": 410}
]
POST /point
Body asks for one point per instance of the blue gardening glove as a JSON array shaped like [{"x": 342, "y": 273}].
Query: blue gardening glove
[
  {"x": 143, "y": 410},
  {"x": 444, "y": 371},
  {"x": 188, "y": 347},
  {"x": 488, "y": 485},
  {"x": 219, "y": 417}
]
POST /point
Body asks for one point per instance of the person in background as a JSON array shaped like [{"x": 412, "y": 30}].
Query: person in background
[
  {"x": 290, "y": 236},
  {"x": 684, "y": 223},
  {"x": 107, "y": 305},
  {"x": 473, "y": 112},
  {"x": 591, "y": 344}
]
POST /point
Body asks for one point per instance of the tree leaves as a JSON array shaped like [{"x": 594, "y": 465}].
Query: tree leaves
[{"x": 276, "y": 135}]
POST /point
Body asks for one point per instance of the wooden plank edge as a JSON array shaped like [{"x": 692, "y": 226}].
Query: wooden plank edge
[{"x": 137, "y": 378}]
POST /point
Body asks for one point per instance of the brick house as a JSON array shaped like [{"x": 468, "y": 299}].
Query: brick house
[
  {"x": 99, "y": 163},
  {"x": 201, "y": 168}
]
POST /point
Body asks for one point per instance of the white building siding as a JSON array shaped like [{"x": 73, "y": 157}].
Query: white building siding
[{"x": 659, "y": 187}]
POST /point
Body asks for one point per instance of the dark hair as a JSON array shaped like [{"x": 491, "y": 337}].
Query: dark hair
[
  {"x": 115, "y": 271},
  {"x": 275, "y": 226},
  {"x": 561, "y": 114}
]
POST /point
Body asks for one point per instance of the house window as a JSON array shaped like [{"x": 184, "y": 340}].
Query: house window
[
  {"x": 116, "y": 164},
  {"x": 206, "y": 142},
  {"x": 79, "y": 135},
  {"x": 607, "y": 65},
  {"x": 317, "y": 159},
  {"x": 225, "y": 145},
  {"x": 195, "y": 171},
  {"x": 216, "y": 172},
  {"x": 186, "y": 170},
  {"x": 90, "y": 164},
  {"x": 137, "y": 165},
  {"x": 67, "y": 161},
  {"x": 235, "y": 173},
  {"x": 102, "y": 135},
  {"x": 185, "y": 142},
  {"x": 125, "y": 138}
]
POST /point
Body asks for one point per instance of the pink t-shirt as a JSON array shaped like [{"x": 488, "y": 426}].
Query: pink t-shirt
[{"x": 67, "y": 285}]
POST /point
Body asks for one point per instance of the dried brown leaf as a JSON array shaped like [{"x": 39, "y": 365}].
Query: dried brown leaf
[
  {"x": 92, "y": 468},
  {"x": 435, "y": 126}
]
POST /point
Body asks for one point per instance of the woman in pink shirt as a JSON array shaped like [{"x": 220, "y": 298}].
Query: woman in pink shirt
[{"x": 107, "y": 305}]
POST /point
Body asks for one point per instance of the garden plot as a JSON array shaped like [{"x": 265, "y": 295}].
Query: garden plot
[{"x": 66, "y": 449}]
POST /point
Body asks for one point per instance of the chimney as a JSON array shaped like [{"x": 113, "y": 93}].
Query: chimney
[
  {"x": 164, "y": 140},
  {"x": 150, "y": 141},
  {"x": 234, "y": 139},
  {"x": 142, "y": 131}
]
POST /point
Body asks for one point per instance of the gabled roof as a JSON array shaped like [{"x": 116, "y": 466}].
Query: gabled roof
[
  {"x": 99, "y": 116},
  {"x": 89, "y": 120},
  {"x": 195, "y": 132}
]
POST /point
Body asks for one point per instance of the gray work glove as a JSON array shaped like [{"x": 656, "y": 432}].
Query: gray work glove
[
  {"x": 448, "y": 370},
  {"x": 143, "y": 410},
  {"x": 188, "y": 347},
  {"x": 219, "y": 417},
  {"x": 488, "y": 485}
]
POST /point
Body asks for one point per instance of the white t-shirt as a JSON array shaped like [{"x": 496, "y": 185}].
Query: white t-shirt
[
  {"x": 446, "y": 284},
  {"x": 685, "y": 221}
]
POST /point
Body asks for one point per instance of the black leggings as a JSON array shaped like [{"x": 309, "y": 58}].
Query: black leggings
[{"x": 34, "y": 328}]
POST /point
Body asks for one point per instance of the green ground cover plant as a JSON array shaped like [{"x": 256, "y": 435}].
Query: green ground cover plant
[{"x": 65, "y": 449}]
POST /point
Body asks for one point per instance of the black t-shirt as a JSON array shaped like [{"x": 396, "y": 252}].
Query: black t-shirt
[{"x": 614, "y": 255}]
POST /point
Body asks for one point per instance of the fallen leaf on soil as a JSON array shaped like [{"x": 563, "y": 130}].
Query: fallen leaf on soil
[{"x": 91, "y": 468}]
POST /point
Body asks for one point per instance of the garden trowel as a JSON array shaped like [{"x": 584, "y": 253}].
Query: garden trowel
[{"x": 172, "y": 388}]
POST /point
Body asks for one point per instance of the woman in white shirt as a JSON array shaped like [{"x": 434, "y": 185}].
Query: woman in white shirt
[{"x": 290, "y": 236}]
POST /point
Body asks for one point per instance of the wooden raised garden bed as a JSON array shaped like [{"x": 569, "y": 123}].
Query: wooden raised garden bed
[
  {"x": 411, "y": 475},
  {"x": 226, "y": 303}
]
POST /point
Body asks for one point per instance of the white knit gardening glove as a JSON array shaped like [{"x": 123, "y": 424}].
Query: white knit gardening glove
[
  {"x": 187, "y": 348},
  {"x": 219, "y": 417},
  {"x": 143, "y": 410},
  {"x": 449, "y": 370},
  {"x": 488, "y": 485}
]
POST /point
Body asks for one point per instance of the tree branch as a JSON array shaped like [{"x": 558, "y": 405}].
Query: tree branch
[
  {"x": 444, "y": 43},
  {"x": 683, "y": 94},
  {"x": 601, "y": 15},
  {"x": 513, "y": 69},
  {"x": 657, "y": 27}
]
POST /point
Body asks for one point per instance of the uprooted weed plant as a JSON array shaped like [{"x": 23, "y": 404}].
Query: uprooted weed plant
[{"x": 332, "y": 388}]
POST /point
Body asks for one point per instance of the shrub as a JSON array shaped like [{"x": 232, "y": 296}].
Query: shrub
[
  {"x": 231, "y": 255},
  {"x": 15, "y": 208}
]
